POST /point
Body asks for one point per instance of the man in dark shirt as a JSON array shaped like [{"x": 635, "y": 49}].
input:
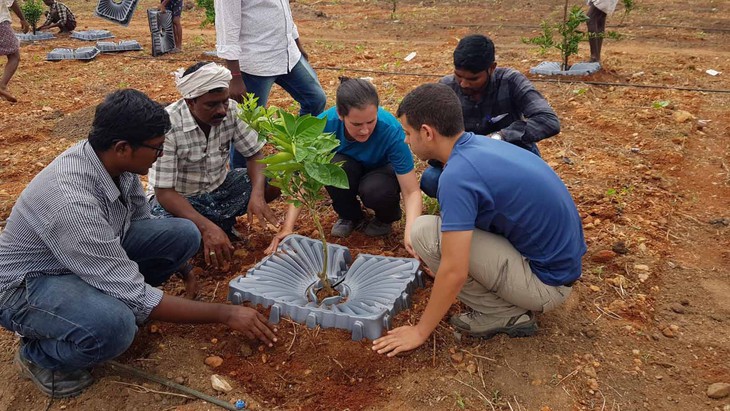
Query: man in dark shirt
[
  {"x": 497, "y": 102},
  {"x": 58, "y": 15}
]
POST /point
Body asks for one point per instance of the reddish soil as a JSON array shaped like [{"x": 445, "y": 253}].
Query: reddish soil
[{"x": 648, "y": 325}]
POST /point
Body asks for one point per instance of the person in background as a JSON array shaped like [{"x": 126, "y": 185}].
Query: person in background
[
  {"x": 58, "y": 15},
  {"x": 175, "y": 7},
  {"x": 596, "y": 24},
  {"x": 9, "y": 45},
  {"x": 497, "y": 102}
]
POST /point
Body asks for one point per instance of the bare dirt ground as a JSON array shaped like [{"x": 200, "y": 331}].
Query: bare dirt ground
[{"x": 647, "y": 327}]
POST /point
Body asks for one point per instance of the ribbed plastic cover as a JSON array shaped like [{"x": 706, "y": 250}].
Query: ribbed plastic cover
[
  {"x": 92, "y": 35},
  {"x": 372, "y": 290},
  {"x": 34, "y": 37},
  {"x": 551, "y": 68},
  {"x": 81, "y": 53},
  {"x": 163, "y": 39},
  {"x": 112, "y": 47},
  {"x": 117, "y": 11}
]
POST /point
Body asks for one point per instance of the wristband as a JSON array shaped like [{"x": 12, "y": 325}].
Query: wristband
[{"x": 236, "y": 74}]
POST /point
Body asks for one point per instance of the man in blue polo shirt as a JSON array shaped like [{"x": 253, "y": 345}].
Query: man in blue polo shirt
[{"x": 509, "y": 240}]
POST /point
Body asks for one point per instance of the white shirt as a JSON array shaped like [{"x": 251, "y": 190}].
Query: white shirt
[
  {"x": 259, "y": 34},
  {"x": 5, "y": 10}
]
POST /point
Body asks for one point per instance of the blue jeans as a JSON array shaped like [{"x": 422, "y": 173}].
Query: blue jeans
[
  {"x": 67, "y": 324},
  {"x": 222, "y": 205},
  {"x": 301, "y": 83}
]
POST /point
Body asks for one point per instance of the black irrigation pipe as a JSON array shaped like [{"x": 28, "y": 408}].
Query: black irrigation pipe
[
  {"x": 532, "y": 27},
  {"x": 537, "y": 80}
]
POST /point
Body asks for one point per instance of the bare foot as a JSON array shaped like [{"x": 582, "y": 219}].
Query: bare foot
[{"x": 7, "y": 96}]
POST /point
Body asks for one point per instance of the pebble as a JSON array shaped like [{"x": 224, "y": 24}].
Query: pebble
[
  {"x": 246, "y": 350},
  {"x": 214, "y": 361},
  {"x": 718, "y": 390},
  {"x": 457, "y": 357},
  {"x": 219, "y": 383},
  {"x": 677, "y": 308},
  {"x": 620, "y": 248},
  {"x": 179, "y": 380},
  {"x": 641, "y": 267},
  {"x": 603, "y": 256},
  {"x": 590, "y": 371}
]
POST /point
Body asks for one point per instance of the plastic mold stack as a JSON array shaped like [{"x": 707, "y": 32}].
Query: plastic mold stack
[
  {"x": 34, "y": 37},
  {"x": 81, "y": 53},
  {"x": 163, "y": 40},
  {"x": 550, "y": 68},
  {"x": 372, "y": 290},
  {"x": 117, "y": 11},
  {"x": 112, "y": 47},
  {"x": 92, "y": 35}
]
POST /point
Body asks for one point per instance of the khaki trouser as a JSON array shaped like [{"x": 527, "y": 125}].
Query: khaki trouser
[{"x": 500, "y": 282}]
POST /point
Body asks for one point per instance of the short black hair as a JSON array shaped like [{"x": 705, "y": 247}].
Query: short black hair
[
  {"x": 127, "y": 115},
  {"x": 433, "y": 104},
  {"x": 195, "y": 67},
  {"x": 355, "y": 93},
  {"x": 474, "y": 53}
]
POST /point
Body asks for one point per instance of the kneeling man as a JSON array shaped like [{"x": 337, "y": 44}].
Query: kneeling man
[
  {"x": 191, "y": 179},
  {"x": 509, "y": 240}
]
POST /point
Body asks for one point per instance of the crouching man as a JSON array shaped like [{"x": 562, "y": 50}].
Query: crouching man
[
  {"x": 509, "y": 240},
  {"x": 191, "y": 180},
  {"x": 81, "y": 256}
]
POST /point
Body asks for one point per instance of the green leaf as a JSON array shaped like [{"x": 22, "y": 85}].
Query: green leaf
[
  {"x": 328, "y": 174},
  {"x": 310, "y": 128},
  {"x": 290, "y": 123}
]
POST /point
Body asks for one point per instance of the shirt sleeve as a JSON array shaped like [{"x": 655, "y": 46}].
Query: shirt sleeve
[
  {"x": 539, "y": 119},
  {"x": 80, "y": 237},
  {"x": 228, "y": 28},
  {"x": 62, "y": 15},
  {"x": 245, "y": 139},
  {"x": 140, "y": 205},
  {"x": 165, "y": 168},
  {"x": 399, "y": 155},
  {"x": 460, "y": 197}
]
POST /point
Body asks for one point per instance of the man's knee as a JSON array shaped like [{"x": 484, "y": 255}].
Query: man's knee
[
  {"x": 425, "y": 234},
  {"x": 189, "y": 236},
  {"x": 110, "y": 334}
]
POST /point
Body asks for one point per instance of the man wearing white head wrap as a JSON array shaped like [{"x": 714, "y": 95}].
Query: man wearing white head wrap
[{"x": 191, "y": 180}]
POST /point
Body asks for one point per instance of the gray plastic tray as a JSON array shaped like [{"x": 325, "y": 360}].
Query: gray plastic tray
[
  {"x": 92, "y": 35},
  {"x": 34, "y": 37},
  {"x": 81, "y": 53},
  {"x": 374, "y": 288},
  {"x": 112, "y": 47},
  {"x": 163, "y": 40},
  {"x": 117, "y": 11},
  {"x": 551, "y": 68}
]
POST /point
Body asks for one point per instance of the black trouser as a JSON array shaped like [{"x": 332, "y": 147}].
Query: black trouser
[{"x": 378, "y": 189}]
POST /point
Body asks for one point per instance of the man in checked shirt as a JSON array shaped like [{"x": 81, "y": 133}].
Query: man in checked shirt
[
  {"x": 58, "y": 15},
  {"x": 81, "y": 256},
  {"x": 192, "y": 180},
  {"x": 497, "y": 102}
]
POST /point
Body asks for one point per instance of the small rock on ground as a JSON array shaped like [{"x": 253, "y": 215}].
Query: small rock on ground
[{"x": 718, "y": 390}]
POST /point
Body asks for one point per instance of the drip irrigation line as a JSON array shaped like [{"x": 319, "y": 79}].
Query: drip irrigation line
[
  {"x": 533, "y": 27},
  {"x": 428, "y": 75},
  {"x": 187, "y": 390}
]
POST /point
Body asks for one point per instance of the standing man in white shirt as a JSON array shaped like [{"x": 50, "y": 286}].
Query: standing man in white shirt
[{"x": 260, "y": 43}]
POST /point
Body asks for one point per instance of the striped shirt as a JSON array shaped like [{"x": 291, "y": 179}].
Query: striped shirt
[
  {"x": 193, "y": 163},
  {"x": 72, "y": 219},
  {"x": 60, "y": 13},
  {"x": 512, "y": 106}
]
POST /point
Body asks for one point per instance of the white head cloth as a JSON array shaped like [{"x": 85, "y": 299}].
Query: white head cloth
[{"x": 201, "y": 81}]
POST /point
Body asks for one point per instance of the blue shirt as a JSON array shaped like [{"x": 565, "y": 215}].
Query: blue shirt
[
  {"x": 502, "y": 189},
  {"x": 385, "y": 146}
]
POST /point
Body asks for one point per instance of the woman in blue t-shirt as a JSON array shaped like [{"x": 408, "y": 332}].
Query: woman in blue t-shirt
[{"x": 378, "y": 163}]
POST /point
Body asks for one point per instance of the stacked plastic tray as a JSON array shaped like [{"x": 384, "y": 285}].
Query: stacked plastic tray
[
  {"x": 34, "y": 37},
  {"x": 372, "y": 290},
  {"x": 81, "y": 53},
  {"x": 117, "y": 11},
  {"x": 112, "y": 47},
  {"x": 550, "y": 68},
  {"x": 92, "y": 35}
]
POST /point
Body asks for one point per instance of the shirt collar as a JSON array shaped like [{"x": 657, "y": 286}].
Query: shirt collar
[
  {"x": 111, "y": 191},
  {"x": 188, "y": 121}
]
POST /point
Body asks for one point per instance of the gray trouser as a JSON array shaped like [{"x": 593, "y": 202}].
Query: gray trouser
[{"x": 500, "y": 283}]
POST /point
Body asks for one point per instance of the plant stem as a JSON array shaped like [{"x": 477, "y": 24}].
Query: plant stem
[
  {"x": 325, "y": 252},
  {"x": 565, "y": 36}
]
